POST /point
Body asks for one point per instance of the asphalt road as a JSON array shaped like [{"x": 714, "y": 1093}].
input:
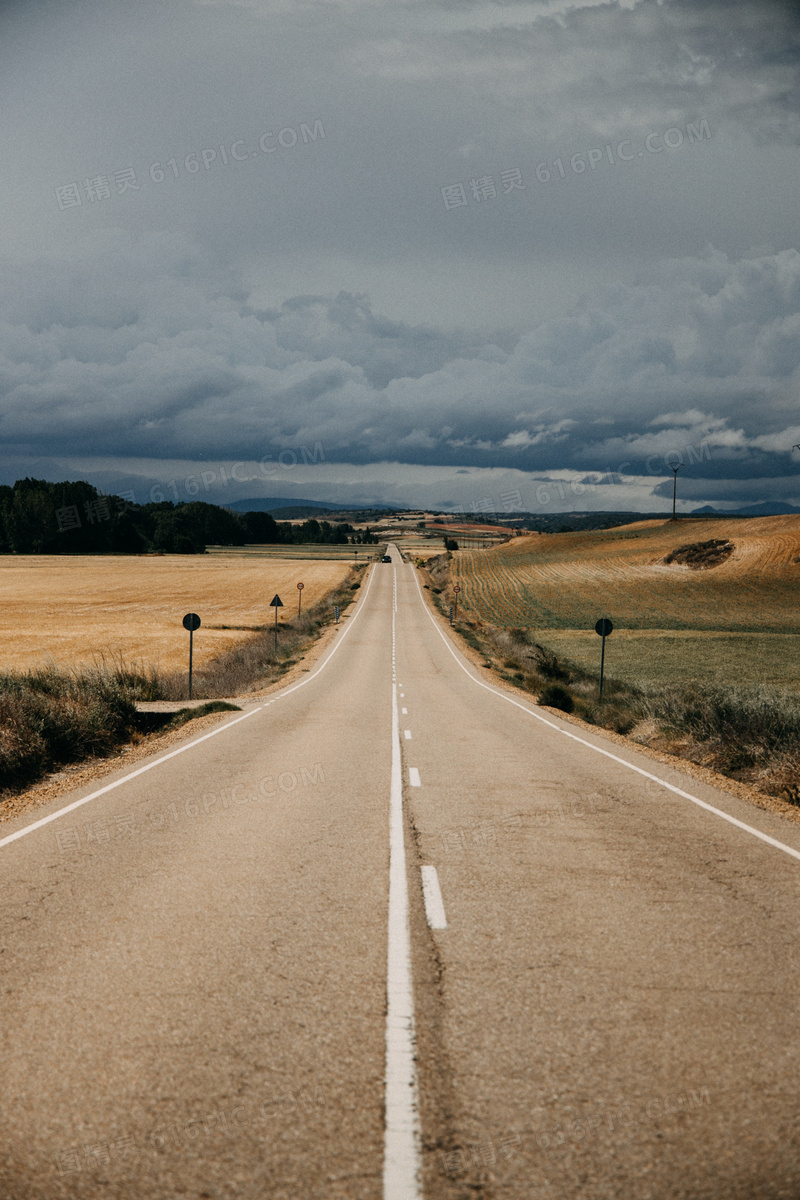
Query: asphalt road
[{"x": 397, "y": 933}]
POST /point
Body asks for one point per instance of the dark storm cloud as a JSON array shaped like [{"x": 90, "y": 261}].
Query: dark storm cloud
[
  {"x": 325, "y": 294},
  {"x": 701, "y": 352}
]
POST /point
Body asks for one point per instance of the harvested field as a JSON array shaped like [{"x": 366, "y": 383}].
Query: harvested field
[
  {"x": 306, "y": 552},
  {"x": 75, "y": 609},
  {"x": 417, "y": 546},
  {"x": 735, "y": 620},
  {"x": 566, "y": 581}
]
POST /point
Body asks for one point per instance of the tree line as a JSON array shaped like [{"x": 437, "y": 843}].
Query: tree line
[{"x": 39, "y": 517}]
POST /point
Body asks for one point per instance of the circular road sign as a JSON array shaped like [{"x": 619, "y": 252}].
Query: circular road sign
[
  {"x": 603, "y": 627},
  {"x": 191, "y": 621},
  {"x": 301, "y": 586},
  {"x": 457, "y": 588}
]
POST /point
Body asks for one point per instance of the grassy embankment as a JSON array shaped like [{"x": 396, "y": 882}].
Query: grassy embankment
[
  {"x": 703, "y": 663},
  {"x": 51, "y": 716}
]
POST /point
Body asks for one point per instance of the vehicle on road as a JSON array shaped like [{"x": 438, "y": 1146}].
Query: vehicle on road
[{"x": 386, "y": 558}]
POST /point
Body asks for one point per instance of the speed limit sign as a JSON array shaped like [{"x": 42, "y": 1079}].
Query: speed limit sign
[{"x": 300, "y": 587}]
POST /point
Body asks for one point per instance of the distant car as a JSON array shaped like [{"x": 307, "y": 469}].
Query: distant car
[{"x": 386, "y": 558}]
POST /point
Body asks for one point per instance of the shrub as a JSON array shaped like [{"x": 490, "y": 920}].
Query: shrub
[
  {"x": 50, "y": 717},
  {"x": 555, "y": 696}
]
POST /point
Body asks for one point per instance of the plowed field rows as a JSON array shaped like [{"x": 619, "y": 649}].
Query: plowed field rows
[{"x": 567, "y": 581}]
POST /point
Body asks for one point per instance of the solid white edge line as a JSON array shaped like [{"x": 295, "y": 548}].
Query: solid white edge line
[
  {"x": 764, "y": 837},
  {"x": 401, "y": 1159},
  {"x": 13, "y": 837},
  {"x": 432, "y": 895}
]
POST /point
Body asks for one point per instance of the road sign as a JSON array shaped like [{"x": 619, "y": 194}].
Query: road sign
[
  {"x": 336, "y": 612},
  {"x": 603, "y": 628},
  {"x": 300, "y": 587},
  {"x": 456, "y": 590},
  {"x": 191, "y": 622},
  {"x": 276, "y": 603}
]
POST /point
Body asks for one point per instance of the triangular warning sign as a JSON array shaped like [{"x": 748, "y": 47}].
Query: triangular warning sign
[{"x": 276, "y": 601}]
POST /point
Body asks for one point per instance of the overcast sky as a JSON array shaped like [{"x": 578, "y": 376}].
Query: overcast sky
[{"x": 480, "y": 255}]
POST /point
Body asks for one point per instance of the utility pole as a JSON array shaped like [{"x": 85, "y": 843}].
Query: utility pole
[{"x": 675, "y": 489}]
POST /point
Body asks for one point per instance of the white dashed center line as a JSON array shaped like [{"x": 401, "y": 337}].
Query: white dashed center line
[
  {"x": 401, "y": 1158},
  {"x": 407, "y": 734},
  {"x": 432, "y": 895},
  {"x": 413, "y": 777}
]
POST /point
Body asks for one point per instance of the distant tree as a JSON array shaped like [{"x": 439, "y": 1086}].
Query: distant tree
[
  {"x": 31, "y": 517},
  {"x": 450, "y": 543},
  {"x": 174, "y": 533},
  {"x": 6, "y": 499},
  {"x": 260, "y": 528}
]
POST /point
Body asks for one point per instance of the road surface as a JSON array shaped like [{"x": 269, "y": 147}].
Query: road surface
[{"x": 397, "y": 933}]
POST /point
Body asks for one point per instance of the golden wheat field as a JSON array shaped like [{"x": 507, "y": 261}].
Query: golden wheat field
[
  {"x": 732, "y": 623},
  {"x": 568, "y": 580},
  {"x": 75, "y": 609}
]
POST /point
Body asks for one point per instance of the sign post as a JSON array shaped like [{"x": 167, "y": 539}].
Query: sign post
[
  {"x": 603, "y": 628},
  {"x": 456, "y": 590},
  {"x": 191, "y": 622},
  {"x": 276, "y": 603},
  {"x": 300, "y": 587}
]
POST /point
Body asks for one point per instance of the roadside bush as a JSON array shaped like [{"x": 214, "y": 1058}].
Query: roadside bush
[
  {"x": 749, "y": 724},
  {"x": 50, "y": 717},
  {"x": 555, "y": 696}
]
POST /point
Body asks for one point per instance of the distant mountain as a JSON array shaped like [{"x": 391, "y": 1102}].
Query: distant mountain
[
  {"x": 295, "y": 512},
  {"x": 273, "y": 504},
  {"x": 270, "y": 504},
  {"x": 769, "y": 508}
]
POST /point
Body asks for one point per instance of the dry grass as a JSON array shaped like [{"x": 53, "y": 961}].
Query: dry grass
[
  {"x": 651, "y": 657},
  {"x": 72, "y": 610}
]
